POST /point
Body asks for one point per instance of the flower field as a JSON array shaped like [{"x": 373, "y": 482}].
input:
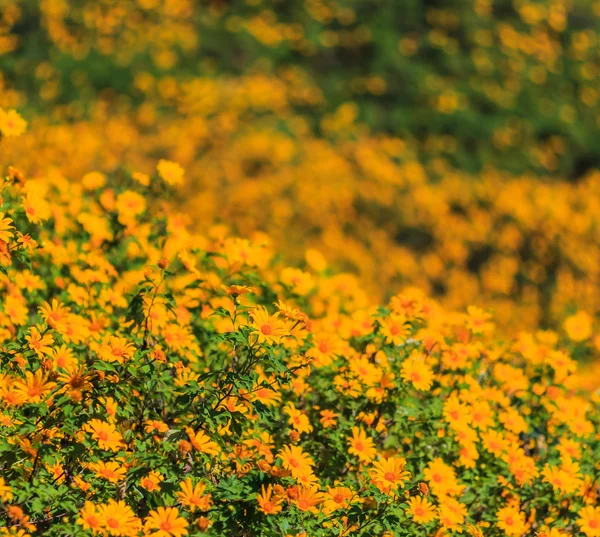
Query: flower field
[{"x": 299, "y": 269}]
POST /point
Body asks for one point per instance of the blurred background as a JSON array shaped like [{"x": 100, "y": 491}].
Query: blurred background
[{"x": 450, "y": 145}]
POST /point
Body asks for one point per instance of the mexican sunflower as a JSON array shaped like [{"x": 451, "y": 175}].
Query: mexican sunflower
[
  {"x": 267, "y": 504},
  {"x": 417, "y": 372},
  {"x": 589, "y": 521},
  {"x": 296, "y": 461},
  {"x": 267, "y": 328},
  {"x": 34, "y": 387},
  {"x": 202, "y": 442},
  {"x": 105, "y": 434},
  {"x": 361, "y": 445},
  {"x": 389, "y": 474},
  {"x": 308, "y": 499},
  {"x": 193, "y": 497},
  {"x": 118, "y": 519},
  {"x": 167, "y": 522},
  {"x": 421, "y": 510}
]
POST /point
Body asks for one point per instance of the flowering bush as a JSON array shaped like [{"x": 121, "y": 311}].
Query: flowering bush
[{"x": 155, "y": 381}]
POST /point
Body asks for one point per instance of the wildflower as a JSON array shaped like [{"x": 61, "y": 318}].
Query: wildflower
[
  {"x": 308, "y": 499},
  {"x": 40, "y": 344},
  {"x": 202, "y": 442},
  {"x": 111, "y": 470},
  {"x": 118, "y": 519},
  {"x": 34, "y": 387},
  {"x": 11, "y": 123},
  {"x": 328, "y": 418},
  {"x": 167, "y": 522},
  {"x": 578, "y": 326},
  {"x": 394, "y": 329},
  {"x": 361, "y": 445},
  {"x": 63, "y": 358},
  {"x": 5, "y": 228},
  {"x": 151, "y": 481},
  {"x": 421, "y": 510},
  {"x": 54, "y": 314},
  {"x": 511, "y": 521},
  {"x": 298, "y": 420},
  {"x": 116, "y": 349},
  {"x": 267, "y": 504},
  {"x": 268, "y": 328},
  {"x": 478, "y": 321},
  {"x": 105, "y": 434},
  {"x": 6, "y": 493},
  {"x": 193, "y": 497},
  {"x": 130, "y": 205},
  {"x": 337, "y": 498},
  {"x": 170, "y": 172},
  {"x": 416, "y": 371},
  {"x": 296, "y": 461},
  {"x": 389, "y": 474},
  {"x": 89, "y": 517},
  {"x": 589, "y": 521},
  {"x": 36, "y": 208}
]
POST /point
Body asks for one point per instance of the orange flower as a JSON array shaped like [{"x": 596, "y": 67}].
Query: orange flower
[
  {"x": 105, "y": 434},
  {"x": 5, "y": 228},
  {"x": 308, "y": 499},
  {"x": 578, "y": 326},
  {"x": 361, "y": 445},
  {"x": 34, "y": 387},
  {"x": 296, "y": 461},
  {"x": 38, "y": 342},
  {"x": 170, "y": 172},
  {"x": 416, "y": 371},
  {"x": 267, "y": 504},
  {"x": 89, "y": 517},
  {"x": 11, "y": 123},
  {"x": 193, "y": 497},
  {"x": 167, "y": 522},
  {"x": 111, "y": 470},
  {"x": 421, "y": 510},
  {"x": 36, "y": 208},
  {"x": 151, "y": 481},
  {"x": 269, "y": 329},
  {"x": 511, "y": 521},
  {"x": 202, "y": 442},
  {"x": 337, "y": 498},
  {"x": 116, "y": 349},
  {"x": 118, "y": 519},
  {"x": 394, "y": 329},
  {"x": 589, "y": 521},
  {"x": 389, "y": 474}
]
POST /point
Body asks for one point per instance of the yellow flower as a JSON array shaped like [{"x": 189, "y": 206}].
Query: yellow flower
[
  {"x": 105, "y": 434},
  {"x": 267, "y": 504},
  {"x": 421, "y": 510},
  {"x": 11, "y": 123},
  {"x": 202, "y": 442},
  {"x": 118, "y": 519},
  {"x": 511, "y": 521},
  {"x": 36, "y": 208},
  {"x": 5, "y": 228},
  {"x": 193, "y": 497},
  {"x": 389, "y": 474},
  {"x": 589, "y": 521},
  {"x": 361, "y": 445},
  {"x": 268, "y": 328},
  {"x": 170, "y": 172},
  {"x": 167, "y": 522},
  {"x": 578, "y": 326},
  {"x": 417, "y": 372}
]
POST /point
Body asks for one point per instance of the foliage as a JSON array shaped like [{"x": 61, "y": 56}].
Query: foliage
[{"x": 161, "y": 382}]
